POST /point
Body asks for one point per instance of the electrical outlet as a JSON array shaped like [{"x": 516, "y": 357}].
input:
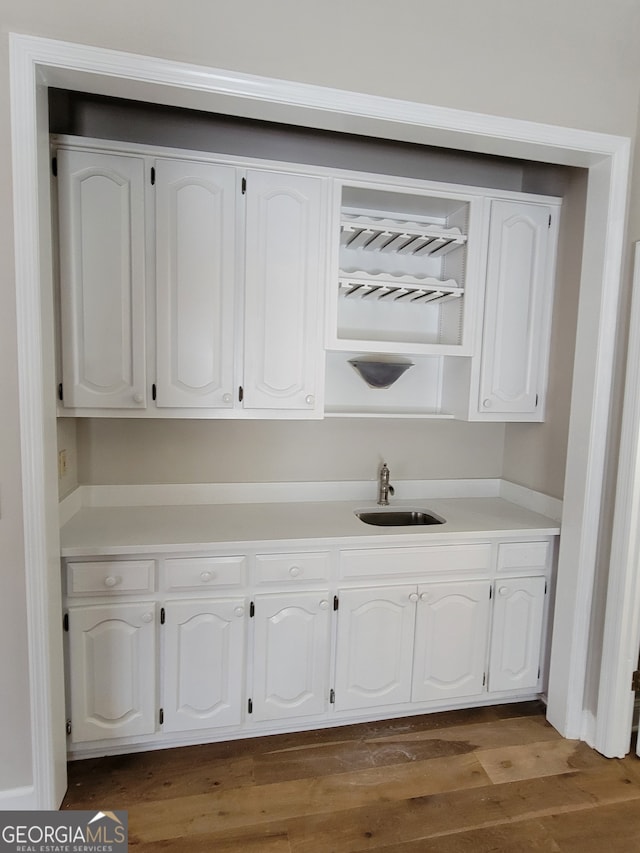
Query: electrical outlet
[{"x": 62, "y": 464}]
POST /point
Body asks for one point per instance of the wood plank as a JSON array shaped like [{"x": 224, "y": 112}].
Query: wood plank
[
  {"x": 526, "y": 761},
  {"x": 613, "y": 828},
  {"x": 283, "y": 800},
  {"x": 525, "y": 837}
]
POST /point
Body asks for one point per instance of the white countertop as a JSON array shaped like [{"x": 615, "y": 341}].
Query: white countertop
[{"x": 96, "y": 531}]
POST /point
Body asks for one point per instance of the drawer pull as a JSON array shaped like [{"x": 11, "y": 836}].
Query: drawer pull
[
  {"x": 324, "y": 604},
  {"x": 147, "y": 617},
  {"x": 239, "y": 611},
  {"x": 206, "y": 577},
  {"x": 295, "y": 571},
  {"x": 112, "y": 580},
  {"x": 504, "y": 590}
]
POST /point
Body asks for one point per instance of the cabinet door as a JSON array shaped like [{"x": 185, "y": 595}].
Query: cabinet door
[
  {"x": 196, "y": 282},
  {"x": 291, "y": 655},
  {"x": 451, "y": 640},
  {"x": 203, "y": 663},
  {"x": 375, "y": 646},
  {"x": 517, "y": 321},
  {"x": 112, "y": 652},
  {"x": 517, "y": 633},
  {"x": 284, "y": 283},
  {"x": 102, "y": 279}
]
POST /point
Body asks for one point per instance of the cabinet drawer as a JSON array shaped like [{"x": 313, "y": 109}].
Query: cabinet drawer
[
  {"x": 414, "y": 561},
  {"x": 204, "y": 572},
  {"x": 292, "y": 567},
  {"x": 523, "y": 555},
  {"x": 110, "y": 577}
]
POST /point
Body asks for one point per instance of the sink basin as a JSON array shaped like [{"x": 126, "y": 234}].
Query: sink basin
[{"x": 398, "y": 517}]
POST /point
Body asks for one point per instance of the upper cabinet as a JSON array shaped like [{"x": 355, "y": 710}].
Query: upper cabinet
[
  {"x": 103, "y": 263},
  {"x": 190, "y": 288},
  {"x": 196, "y": 285},
  {"x": 195, "y": 273}
]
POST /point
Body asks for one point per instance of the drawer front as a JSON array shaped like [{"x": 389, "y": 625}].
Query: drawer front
[
  {"x": 110, "y": 577},
  {"x": 513, "y": 556},
  {"x": 204, "y": 572},
  {"x": 292, "y": 567},
  {"x": 414, "y": 561}
]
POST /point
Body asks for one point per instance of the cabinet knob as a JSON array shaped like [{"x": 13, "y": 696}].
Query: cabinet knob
[
  {"x": 504, "y": 590},
  {"x": 487, "y": 403},
  {"x": 226, "y": 398},
  {"x": 205, "y": 577},
  {"x": 424, "y": 596},
  {"x": 295, "y": 571},
  {"x": 138, "y": 398},
  {"x": 324, "y": 604},
  {"x": 147, "y": 617},
  {"x": 112, "y": 580},
  {"x": 309, "y": 399},
  {"x": 239, "y": 611},
  {"x": 413, "y": 596}
]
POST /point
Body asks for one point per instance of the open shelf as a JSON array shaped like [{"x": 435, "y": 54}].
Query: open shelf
[{"x": 401, "y": 275}]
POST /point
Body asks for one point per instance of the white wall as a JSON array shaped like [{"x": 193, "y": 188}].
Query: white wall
[{"x": 563, "y": 62}]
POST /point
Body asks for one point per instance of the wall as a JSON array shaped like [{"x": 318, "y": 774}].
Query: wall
[{"x": 556, "y": 61}]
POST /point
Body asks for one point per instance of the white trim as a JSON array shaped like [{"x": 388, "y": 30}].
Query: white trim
[
  {"x": 38, "y": 61},
  {"x": 622, "y": 619},
  {"x": 18, "y": 799}
]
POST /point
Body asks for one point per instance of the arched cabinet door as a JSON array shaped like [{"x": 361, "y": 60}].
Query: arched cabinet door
[
  {"x": 112, "y": 652},
  {"x": 195, "y": 283},
  {"x": 102, "y": 279},
  {"x": 291, "y": 655},
  {"x": 517, "y": 316},
  {"x": 285, "y": 249}
]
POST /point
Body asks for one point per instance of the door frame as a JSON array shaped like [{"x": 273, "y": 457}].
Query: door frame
[{"x": 36, "y": 63}]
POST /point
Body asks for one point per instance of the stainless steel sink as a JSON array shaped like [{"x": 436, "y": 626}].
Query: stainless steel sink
[{"x": 398, "y": 517}]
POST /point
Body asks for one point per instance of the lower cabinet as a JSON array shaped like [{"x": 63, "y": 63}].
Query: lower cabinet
[
  {"x": 411, "y": 643},
  {"x": 516, "y": 636},
  {"x": 162, "y": 647},
  {"x": 292, "y": 644},
  {"x": 112, "y": 654},
  {"x": 203, "y": 663}
]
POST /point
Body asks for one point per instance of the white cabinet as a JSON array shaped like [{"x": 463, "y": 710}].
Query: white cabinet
[
  {"x": 292, "y": 645},
  {"x": 102, "y": 279},
  {"x": 196, "y": 260},
  {"x": 112, "y": 653},
  {"x": 451, "y": 640},
  {"x": 285, "y": 261},
  {"x": 411, "y": 644},
  {"x": 203, "y": 663},
  {"x": 230, "y": 323},
  {"x": 516, "y": 635},
  {"x": 375, "y": 646},
  {"x": 512, "y": 379}
]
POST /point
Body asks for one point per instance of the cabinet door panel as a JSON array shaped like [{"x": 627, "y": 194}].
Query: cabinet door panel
[
  {"x": 451, "y": 640},
  {"x": 291, "y": 662},
  {"x": 285, "y": 247},
  {"x": 517, "y": 632},
  {"x": 196, "y": 279},
  {"x": 203, "y": 664},
  {"x": 516, "y": 337},
  {"x": 112, "y": 651},
  {"x": 375, "y": 646},
  {"x": 102, "y": 279}
]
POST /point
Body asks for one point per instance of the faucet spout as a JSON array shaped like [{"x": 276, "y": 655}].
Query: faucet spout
[{"x": 384, "y": 488}]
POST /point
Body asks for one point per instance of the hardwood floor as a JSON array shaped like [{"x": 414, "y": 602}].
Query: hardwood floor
[{"x": 487, "y": 779}]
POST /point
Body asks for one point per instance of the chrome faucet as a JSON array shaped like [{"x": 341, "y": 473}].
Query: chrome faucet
[{"x": 384, "y": 489}]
